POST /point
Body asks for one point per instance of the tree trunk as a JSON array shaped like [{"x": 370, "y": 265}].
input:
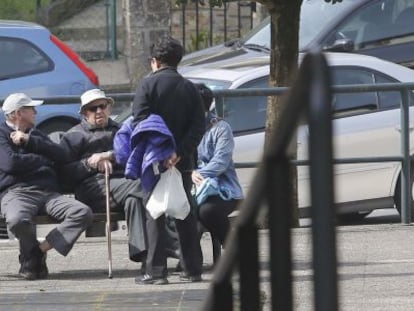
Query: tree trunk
[{"x": 284, "y": 16}]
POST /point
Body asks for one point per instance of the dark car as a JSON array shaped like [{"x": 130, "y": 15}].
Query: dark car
[
  {"x": 35, "y": 62},
  {"x": 381, "y": 28}
]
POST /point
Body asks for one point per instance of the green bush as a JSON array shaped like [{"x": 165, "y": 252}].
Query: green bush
[{"x": 20, "y": 9}]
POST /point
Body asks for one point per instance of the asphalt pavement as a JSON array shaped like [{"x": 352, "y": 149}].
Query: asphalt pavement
[{"x": 375, "y": 272}]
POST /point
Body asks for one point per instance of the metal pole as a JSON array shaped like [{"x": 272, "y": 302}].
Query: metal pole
[
  {"x": 405, "y": 163},
  {"x": 238, "y": 20},
  {"x": 197, "y": 28},
  {"x": 112, "y": 24},
  {"x": 211, "y": 26},
  {"x": 225, "y": 21},
  {"x": 183, "y": 22},
  {"x": 111, "y": 45},
  {"x": 108, "y": 219},
  {"x": 321, "y": 173}
]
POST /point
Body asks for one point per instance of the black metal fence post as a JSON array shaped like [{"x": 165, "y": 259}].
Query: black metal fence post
[{"x": 322, "y": 199}]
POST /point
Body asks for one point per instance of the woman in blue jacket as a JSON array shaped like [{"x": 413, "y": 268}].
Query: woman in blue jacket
[{"x": 216, "y": 169}]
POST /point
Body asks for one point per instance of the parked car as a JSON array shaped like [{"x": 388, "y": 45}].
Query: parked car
[
  {"x": 365, "y": 125},
  {"x": 35, "y": 62},
  {"x": 382, "y": 28}
]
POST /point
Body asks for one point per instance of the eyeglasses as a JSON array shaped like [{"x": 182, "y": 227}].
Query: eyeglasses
[{"x": 95, "y": 108}]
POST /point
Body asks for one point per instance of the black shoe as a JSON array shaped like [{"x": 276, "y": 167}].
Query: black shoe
[
  {"x": 190, "y": 278},
  {"x": 43, "y": 271},
  {"x": 178, "y": 267},
  {"x": 34, "y": 267},
  {"x": 149, "y": 280}
]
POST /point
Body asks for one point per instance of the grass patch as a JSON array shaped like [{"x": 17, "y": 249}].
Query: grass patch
[{"x": 20, "y": 9}]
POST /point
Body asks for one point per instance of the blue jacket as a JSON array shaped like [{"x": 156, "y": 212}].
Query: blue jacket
[
  {"x": 215, "y": 157},
  {"x": 143, "y": 148}
]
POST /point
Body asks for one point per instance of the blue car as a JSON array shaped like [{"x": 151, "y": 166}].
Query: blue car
[{"x": 36, "y": 62}]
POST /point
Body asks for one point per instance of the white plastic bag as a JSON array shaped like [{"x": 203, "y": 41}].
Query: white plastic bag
[{"x": 169, "y": 196}]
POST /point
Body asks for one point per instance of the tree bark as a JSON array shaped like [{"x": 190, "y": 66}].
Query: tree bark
[{"x": 284, "y": 45}]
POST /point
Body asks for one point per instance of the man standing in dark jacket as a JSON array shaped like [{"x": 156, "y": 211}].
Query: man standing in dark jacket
[
  {"x": 29, "y": 186},
  {"x": 89, "y": 146},
  {"x": 166, "y": 93}
]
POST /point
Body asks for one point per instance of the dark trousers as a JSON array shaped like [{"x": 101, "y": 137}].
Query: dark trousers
[
  {"x": 125, "y": 195},
  {"x": 128, "y": 196},
  {"x": 190, "y": 249},
  {"x": 213, "y": 215}
]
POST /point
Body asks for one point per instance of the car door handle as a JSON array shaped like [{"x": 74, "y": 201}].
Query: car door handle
[{"x": 399, "y": 129}]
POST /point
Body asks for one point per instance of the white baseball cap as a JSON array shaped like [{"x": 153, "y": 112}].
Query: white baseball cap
[
  {"x": 94, "y": 94},
  {"x": 16, "y": 101}
]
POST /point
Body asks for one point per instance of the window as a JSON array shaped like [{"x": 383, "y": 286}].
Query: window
[
  {"x": 21, "y": 58},
  {"x": 357, "y": 102},
  {"x": 381, "y": 23},
  {"x": 389, "y": 99},
  {"x": 247, "y": 113}
]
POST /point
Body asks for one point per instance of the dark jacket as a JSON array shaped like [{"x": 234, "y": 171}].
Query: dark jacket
[
  {"x": 178, "y": 102},
  {"x": 32, "y": 164},
  {"x": 80, "y": 142}
]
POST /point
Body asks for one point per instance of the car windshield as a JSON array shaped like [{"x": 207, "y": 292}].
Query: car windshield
[{"x": 314, "y": 17}]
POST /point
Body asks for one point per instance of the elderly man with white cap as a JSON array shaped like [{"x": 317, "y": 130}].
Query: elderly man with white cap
[
  {"x": 89, "y": 146},
  {"x": 29, "y": 186}
]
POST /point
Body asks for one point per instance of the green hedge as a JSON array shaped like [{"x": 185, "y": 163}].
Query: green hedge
[{"x": 20, "y": 9}]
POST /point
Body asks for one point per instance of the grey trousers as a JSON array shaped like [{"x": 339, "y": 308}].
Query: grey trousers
[{"x": 20, "y": 204}]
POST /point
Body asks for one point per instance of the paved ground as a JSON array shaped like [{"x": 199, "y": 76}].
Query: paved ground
[{"x": 376, "y": 272}]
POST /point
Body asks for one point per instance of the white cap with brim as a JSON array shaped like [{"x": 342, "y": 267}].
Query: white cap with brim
[
  {"x": 16, "y": 101},
  {"x": 92, "y": 95}
]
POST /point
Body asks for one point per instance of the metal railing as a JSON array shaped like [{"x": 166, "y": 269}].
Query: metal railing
[
  {"x": 403, "y": 157},
  {"x": 310, "y": 96},
  {"x": 227, "y": 22}
]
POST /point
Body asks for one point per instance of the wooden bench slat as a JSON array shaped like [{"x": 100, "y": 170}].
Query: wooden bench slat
[{"x": 97, "y": 217}]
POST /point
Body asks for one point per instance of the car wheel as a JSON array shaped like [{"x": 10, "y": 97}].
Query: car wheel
[
  {"x": 397, "y": 194},
  {"x": 56, "y": 127}
]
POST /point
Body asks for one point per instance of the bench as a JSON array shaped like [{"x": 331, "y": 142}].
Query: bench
[{"x": 102, "y": 218}]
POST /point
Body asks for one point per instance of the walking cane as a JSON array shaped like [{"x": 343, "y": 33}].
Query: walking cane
[{"x": 108, "y": 220}]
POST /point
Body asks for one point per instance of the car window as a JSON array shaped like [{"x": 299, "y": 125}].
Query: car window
[
  {"x": 309, "y": 26},
  {"x": 354, "y": 102},
  {"x": 389, "y": 99},
  {"x": 382, "y": 23},
  {"x": 21, "y": 58},
  {"x": 246, "y": 113}
]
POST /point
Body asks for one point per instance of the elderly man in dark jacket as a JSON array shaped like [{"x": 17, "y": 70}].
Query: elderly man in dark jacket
[
  {"x": 89, "y": 146},
  {"x": 166, "y": 93},
  {"x": 29, "y": 186}
]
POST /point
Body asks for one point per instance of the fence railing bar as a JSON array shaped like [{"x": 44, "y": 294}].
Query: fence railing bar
[
  {"x": 279, "y": 199},
  {"x": 395, "y": 158},
  {"x": 405, "y": 162},
  {"x": 271, "y": 91},
  {"x": 322, "y": 198},
  {"x": 249, "y": 268}
]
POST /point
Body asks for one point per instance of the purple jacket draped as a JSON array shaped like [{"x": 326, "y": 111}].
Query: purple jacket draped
[{"x": 141, "y": 148}]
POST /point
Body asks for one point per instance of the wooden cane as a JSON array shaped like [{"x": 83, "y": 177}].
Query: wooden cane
[{"x": 108, "y": 220}]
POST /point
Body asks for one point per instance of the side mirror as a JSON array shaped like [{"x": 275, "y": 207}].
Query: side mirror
[{"x": 341, "y": 45}]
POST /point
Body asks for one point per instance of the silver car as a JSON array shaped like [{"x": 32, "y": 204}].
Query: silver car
[{"x": 370, "y": 127}]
